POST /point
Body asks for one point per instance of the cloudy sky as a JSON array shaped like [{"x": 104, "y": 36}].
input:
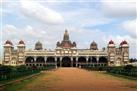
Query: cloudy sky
[{"x": 86, "y": 21}]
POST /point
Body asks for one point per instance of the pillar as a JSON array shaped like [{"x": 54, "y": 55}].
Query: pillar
[
  {"x": 86, "y": 60},
  {"x": 45, "y": 58},
  {"x": 56, "y": 62},
  {"x": 97, "y": 59},
  {"x": 76, "y": 61},
  {"x": 71, "y": 61},
  {"x": 60, "y": 61},
  {"x": 35, "y": 58}
]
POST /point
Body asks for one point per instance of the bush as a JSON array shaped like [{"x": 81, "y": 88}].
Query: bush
[
  {"x": 128, "y": 70},
  {"x": 9, "y": 72}
]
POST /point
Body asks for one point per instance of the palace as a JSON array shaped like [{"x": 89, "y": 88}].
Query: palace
[{"x": 66, "y": 54}]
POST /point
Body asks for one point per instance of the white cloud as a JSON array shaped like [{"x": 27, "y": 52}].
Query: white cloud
[
  {"x": 130, "y": 26},
  {"x": 49, "y": 37},
  {"x": 35, "y": 10},
  {"x": 84, "y": 18},
  {"x": 119, "y": 9}
]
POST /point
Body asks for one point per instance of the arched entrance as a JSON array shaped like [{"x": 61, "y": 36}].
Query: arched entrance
[
  {"x": 66, "y": 62},
  {"x": 40, "y": 61},
  {"x": 29, "y": 60},
  {"x": 50, "y": 60},
  {"x": 103, "y": 61}
]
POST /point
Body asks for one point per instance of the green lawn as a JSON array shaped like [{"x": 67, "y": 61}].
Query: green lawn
[{"x": 20, "y": 84}]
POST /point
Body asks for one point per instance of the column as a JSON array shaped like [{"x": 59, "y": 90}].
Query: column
[
  {"x": 86, "y": 60},
  {"x": 71, "y": 61},
  {"x": 35, "y": 58},
  {"x": 60, "y": 61},
  {"x": 45, "y": 58},
  {"x": 56, "y": 62},
  {"x": 97, "y": 59},
  {"x": 76, "y": 61}
]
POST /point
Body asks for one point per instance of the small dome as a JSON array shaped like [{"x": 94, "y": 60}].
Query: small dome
[
  {"x": 93, "y": 46},
  {"x": 74, "y": 44},
  {"x": 8, "y": 42},
  {"x": 111, "y": 42},
  {"x": 21, "y": 42},
  {"x": 38, "y": 46},
  {"x": 93, "y": 43},
  {"x": 124, "y": 42},
  {"x": 38, "y": 43},
  {"x": 58, "y": 44}
]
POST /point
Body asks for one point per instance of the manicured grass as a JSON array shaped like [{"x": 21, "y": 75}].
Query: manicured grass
[
  {"x": 20, "y": 84},
  {"x": 9, "y": 80}
]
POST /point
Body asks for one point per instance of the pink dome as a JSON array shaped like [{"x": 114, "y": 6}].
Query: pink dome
[
  {"x": 111, "y": 42},
  {"x": 8, "y": 42},
  {"x": 123, "y": 42},
  {"x": 21, "y": 42}
]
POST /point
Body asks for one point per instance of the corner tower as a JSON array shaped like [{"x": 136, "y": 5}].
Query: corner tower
[
  {"x": 21, "y": 52},
  {"x": 8, "y": 47},
  {"x": 111, "y": 53},
  {"x": 125, "y": 52}
]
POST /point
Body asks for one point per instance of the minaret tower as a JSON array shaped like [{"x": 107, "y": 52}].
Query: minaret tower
[
  {"x": 8, "y": 47},
  {"x": 125, "y": 52},
  {"x": 21, "y": 52},
  {"x": 66, "y": 36},
  {"x": 111, "y": 53}
]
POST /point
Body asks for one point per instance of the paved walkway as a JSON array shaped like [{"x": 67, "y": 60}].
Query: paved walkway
[{"x": 74, "y": 79}]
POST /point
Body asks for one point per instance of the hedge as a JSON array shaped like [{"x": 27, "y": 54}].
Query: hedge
[
  {"x": 9, "y": 72},
  {"x": 127, "y": 70}
]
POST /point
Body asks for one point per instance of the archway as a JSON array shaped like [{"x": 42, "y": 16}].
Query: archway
[
  {"x": 50, "y": 60},
  {"x": 29, "y": 60},
  {"x": 94, "y": 60},
  {"x": 40, "y": 60},
  {"x": 103, "y": 60},
  {"x": 82, "y": 60},
  {"x": 66, "y": 62}
]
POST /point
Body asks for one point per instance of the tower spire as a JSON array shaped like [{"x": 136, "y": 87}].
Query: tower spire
[{"x": 66, "y": 35}]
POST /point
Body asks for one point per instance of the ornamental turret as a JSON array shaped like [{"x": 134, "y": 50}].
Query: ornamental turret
[
  {"x": 38, "y": 46},
  {"x": 93, "y": 46},
  {"x": 21, "y": 52},
  {"x": 66, "y": 36},
  {"x": 8, "y": 48}
]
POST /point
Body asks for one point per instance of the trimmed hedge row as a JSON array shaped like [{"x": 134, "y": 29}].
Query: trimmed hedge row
[
  {"x": 127, "y": 70},
  {"x": 9, "y": 72},
  {"x": 95, "y": 68}
]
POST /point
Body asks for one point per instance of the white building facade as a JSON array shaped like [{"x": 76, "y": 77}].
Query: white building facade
[{"x": 66, "y": 54}]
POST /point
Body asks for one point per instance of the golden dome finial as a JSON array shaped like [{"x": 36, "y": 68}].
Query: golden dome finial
[{"x": 66, "y": 35}]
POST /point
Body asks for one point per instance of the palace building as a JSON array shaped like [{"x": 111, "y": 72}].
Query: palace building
[{"x": 66, "y": 54}]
